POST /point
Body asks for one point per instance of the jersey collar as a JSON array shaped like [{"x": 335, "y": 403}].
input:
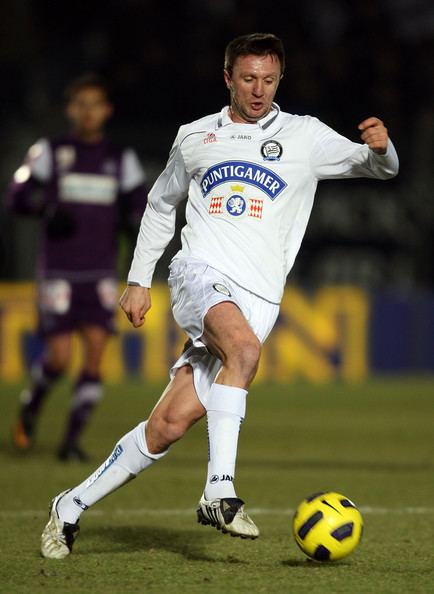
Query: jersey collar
[{"x": 224, "y": 119}]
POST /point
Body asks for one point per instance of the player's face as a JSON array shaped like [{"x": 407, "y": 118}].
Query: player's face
[
  {"x": 252, "y": 86},
  {"x": 88, "y": 111}
]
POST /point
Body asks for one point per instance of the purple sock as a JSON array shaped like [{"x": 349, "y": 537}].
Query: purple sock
[
  {"x": 42, "y": 380},
  {"x": 87, "y": 392}
]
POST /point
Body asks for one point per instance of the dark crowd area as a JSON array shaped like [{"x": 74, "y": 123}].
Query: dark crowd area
[{"x": 346, "y": 60}]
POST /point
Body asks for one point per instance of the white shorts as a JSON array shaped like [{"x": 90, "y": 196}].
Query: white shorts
[{"x": 195, "y": 287}]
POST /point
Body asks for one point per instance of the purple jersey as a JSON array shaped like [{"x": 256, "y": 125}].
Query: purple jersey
[{"x": 87, "y": 190}]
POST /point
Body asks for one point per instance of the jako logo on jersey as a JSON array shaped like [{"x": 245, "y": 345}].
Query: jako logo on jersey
[
  {"x": 250, "y": 173},
  {"x": 241, "y": 137}
]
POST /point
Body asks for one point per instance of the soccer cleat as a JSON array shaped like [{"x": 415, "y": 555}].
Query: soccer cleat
[
  {"x": 21, "y": 437},
  {"x": 228, "y": 515},
  {"x": 58, "y": 537},
  {"x": 22, "y": 432}
]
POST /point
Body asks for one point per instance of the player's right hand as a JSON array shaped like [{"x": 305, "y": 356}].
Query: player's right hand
[{"x": 136, "y": 302}]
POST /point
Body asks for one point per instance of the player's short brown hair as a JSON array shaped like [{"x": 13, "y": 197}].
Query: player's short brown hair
[
  {"x": 258, "y": 44},
  {"x": 86, "y": 81}
]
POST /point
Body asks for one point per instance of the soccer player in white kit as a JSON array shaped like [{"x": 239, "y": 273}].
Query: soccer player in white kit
[{"x": 249, "y": 174}]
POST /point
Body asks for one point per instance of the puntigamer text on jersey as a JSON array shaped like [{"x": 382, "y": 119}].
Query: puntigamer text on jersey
[{"x": 261, "y": 177}]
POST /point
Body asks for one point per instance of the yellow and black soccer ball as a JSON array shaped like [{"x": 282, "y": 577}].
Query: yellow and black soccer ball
[{"x": 327, "y": 526}]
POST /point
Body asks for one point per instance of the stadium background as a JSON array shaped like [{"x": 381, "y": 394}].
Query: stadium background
[{"x": 346, "y": 60}]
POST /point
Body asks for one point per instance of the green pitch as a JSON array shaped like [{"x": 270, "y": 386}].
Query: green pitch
[{"x": 374, "y": 442}]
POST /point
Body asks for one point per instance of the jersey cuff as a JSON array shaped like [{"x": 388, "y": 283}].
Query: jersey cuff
[{"x": 136, "y": 284}]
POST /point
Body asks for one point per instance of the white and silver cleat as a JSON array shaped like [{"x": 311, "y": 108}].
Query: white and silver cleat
[
  {"x": 58, "y": 537},
  {"x": 228, "y": 515}
]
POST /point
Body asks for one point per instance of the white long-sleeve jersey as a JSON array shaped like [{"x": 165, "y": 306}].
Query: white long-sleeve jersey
[{"x": 250, "y": 191}]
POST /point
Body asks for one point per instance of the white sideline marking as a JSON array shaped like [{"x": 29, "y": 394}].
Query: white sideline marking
[{"x": 258, "y": 511}]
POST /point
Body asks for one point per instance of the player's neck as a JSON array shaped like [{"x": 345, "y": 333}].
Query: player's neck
[
  {"x": 88, "y": 137},
  {"x": 239, "y": 118}
]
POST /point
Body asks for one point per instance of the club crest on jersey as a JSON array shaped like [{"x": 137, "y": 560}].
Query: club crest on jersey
[
  {"x": 242, "y": 171},
  {"x": 271, "y": 150}
]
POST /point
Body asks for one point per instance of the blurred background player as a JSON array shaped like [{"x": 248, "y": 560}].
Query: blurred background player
[{"x": 89, "y": 189}]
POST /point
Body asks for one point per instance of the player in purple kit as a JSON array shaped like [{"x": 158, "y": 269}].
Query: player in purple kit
[{"x": 88, "y": 189}]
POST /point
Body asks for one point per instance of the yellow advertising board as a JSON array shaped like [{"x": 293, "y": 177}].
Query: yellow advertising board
[{"x": 319, "y": 337}]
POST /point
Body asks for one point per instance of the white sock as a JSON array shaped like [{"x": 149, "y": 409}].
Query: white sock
[
  {"x": 226, "y": 408},
  {"x": 129, "y": 457}
]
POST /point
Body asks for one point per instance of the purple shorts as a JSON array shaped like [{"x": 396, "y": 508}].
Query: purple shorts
[{"x": 65, "y": 306}]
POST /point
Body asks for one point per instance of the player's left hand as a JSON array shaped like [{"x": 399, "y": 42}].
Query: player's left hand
[{"x": 374, "y": 134}]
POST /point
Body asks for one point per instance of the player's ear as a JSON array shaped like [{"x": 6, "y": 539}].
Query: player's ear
[{"x": 227, "y": 77}]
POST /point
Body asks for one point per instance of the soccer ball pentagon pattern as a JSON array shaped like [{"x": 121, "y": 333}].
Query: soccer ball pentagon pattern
[{"x": 327, "y": 526}]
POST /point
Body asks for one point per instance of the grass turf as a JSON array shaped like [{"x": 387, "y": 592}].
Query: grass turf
[{"x": 374, "y": 442}]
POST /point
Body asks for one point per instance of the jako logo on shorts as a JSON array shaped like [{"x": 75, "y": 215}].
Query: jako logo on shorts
[{"x": 250, "y": 173}]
